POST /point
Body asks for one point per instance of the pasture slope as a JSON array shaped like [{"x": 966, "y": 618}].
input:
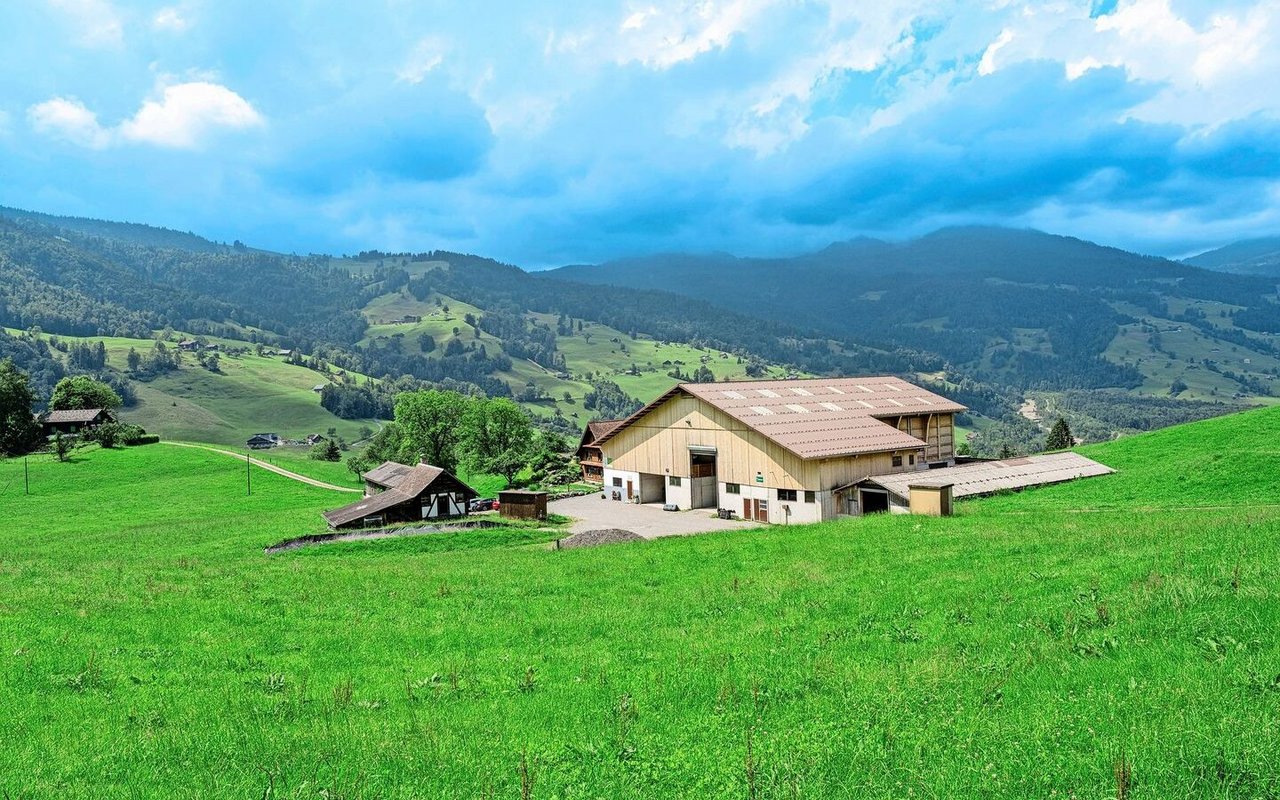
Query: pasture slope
[{"x": 149, "y": 649}]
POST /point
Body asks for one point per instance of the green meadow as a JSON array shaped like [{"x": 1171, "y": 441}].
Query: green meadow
[{"x": 1111, "y": 637}]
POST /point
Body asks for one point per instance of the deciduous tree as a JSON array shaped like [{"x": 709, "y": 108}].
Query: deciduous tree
[
  {"x": 81, "y": 391},
  {"x": 18, "y": 429}
]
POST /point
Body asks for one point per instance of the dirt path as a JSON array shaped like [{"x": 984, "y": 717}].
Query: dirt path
[
  {"x": 1030, "y": 410},
  {"x": 269, "y": 467}
]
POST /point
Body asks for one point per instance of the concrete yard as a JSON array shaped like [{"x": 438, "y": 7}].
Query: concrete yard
[{"x": 590, "y": 513}]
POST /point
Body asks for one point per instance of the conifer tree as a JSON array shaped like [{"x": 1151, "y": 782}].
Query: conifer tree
[{"x": 1060, "y": 437}]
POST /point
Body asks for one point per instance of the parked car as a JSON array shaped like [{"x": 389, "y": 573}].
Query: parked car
[{"x": 482, "y": 504}]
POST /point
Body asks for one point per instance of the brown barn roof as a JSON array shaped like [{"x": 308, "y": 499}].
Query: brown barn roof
[
  {"x": 820, "y": 417},
  {"x": 74, "y": 415},
  {"x": 596, "y": 429},
  {"x": 410, "y": 483},
  {"x": 388, "y": 474}
]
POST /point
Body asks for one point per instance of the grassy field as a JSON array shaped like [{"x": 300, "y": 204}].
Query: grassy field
[
  {"x": 249, "y": 394},
  {"x": 148, "y": 648},
  {"x": 598, "y": 350}
]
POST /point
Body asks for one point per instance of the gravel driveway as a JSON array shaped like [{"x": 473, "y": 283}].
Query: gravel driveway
[{"x": 590, "y": 513}]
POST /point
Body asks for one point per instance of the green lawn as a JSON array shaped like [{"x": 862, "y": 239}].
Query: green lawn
[{"x": 148, "y": 648}]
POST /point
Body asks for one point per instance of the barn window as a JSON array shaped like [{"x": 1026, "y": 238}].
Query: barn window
[
  {"x": 673, "y": 480},
  {"x": 897, "y": 461},
  {"x": 911, "y": 459},
  {"x": 787, "y": 495},
  {"x": 617, "y": 482},
  {"x": 810, "y": 497},
  {"x": 732, "y": 488}
]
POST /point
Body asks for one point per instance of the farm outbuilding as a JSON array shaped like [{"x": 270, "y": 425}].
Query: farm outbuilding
[
  {"x": 517, "y": 504},
  {"x": 74, "y": 420},
  {"x": 775, "y": 451},
  {"x": 902, "y": 494},
  {"x": 400, "y": 493}
]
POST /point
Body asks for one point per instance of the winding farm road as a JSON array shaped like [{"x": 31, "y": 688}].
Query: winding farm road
[{"x": 269, "y": 467}]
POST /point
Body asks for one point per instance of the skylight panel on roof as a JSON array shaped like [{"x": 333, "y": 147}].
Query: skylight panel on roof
[
  {"x": 831, "y": 406},
  {"x": 796, "y": 407},
  {"x": 835, "y": 390},
  {"x": 923, "y": 400},
  {"x": 762, "y": 410},
  {"x": 891, "y": 400},
  {"x": 892, "y": 388},
  {"x": 767, "y": 393},
  {"x": 802, "y": 392},
  {"x": 731, "y": 394},
  {"x": 866, "y": 389},
  {"x": 865, "y": 403}
]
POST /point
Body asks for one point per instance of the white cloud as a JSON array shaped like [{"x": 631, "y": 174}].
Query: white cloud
[
  {"x": 186, "y": 112},
  {"x": 170, "y": 18},
  {"x": 1209, "y": 69},
  {"x": 660, "y": 38},
  {"x": 97, "y": 21},
  {"x": 181, "y": 118},
  {"x": 427, "y": 54},
  {"x": 69, "y": 120},
  {"x": 988, "y": 63}
]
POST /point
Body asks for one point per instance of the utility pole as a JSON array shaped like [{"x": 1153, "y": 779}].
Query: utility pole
[{"x": 248, "y": 475}]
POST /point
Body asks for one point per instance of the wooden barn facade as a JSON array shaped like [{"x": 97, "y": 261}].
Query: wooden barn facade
[
  {"x": 400, "y": 493},
  {"x": 785, "y": 451}
]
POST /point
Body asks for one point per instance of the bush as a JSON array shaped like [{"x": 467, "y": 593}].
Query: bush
[
  {"x": 118, "y": 433},
  {"x": 146, "y": 438}
]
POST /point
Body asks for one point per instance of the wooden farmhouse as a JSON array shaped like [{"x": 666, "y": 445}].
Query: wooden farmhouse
[
  {"x": 787, "y": 451},
  {"x": 400, "y": 493},
  {"x": 590, "y": 457},
  {"x": 74, "y": 420}
]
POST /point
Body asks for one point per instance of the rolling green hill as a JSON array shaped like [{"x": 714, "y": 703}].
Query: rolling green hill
[{"x": 1033, "y": 646}]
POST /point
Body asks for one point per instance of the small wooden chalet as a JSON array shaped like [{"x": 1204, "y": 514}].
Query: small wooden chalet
[
  {"x": 74, "y": 420},
  {"x": 400, "y": 493},
  {"x": 590, "y": 457}
]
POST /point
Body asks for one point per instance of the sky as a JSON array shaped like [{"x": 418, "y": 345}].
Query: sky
[{"x": 569, "y": 132}]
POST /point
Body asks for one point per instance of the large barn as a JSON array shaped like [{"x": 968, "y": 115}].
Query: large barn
[{"x": 788, "y": 451}]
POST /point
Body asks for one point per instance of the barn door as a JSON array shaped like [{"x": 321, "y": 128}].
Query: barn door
[
  {"x": 442, "y": 505},
  {"x": 746, "y": 509},
  {"x": 630, "y": 492}
]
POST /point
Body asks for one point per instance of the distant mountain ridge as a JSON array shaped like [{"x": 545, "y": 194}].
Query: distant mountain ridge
[
  {"x": 134, "y": 232},
  {"x": 985, "y": 314},
  {"x": 1017, "y": 307},
  {"x": 1249, "y": 257}
]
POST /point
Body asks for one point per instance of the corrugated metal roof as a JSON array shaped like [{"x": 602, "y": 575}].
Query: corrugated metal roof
[
  {"x": 807, "y": 417},
  {"x": 989, "y": 477}
]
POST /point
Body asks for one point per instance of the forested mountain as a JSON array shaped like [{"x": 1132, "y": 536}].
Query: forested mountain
[
  {"x": 1019, "y": 308},
  {"x": 123, "y": 231},
  {"x": 985, "y": 314},
  {"x": 1250, "y": 257}
]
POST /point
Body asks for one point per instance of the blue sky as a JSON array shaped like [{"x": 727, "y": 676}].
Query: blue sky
[{"x": 550, "y": 133}]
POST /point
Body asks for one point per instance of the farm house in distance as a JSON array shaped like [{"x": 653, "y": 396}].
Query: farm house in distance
[
  {"x": 400, "y": 493},
  {"x": 590, "y": 457}
]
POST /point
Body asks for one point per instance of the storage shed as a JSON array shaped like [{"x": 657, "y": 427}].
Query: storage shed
[{"x": 522, "y": 505}]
